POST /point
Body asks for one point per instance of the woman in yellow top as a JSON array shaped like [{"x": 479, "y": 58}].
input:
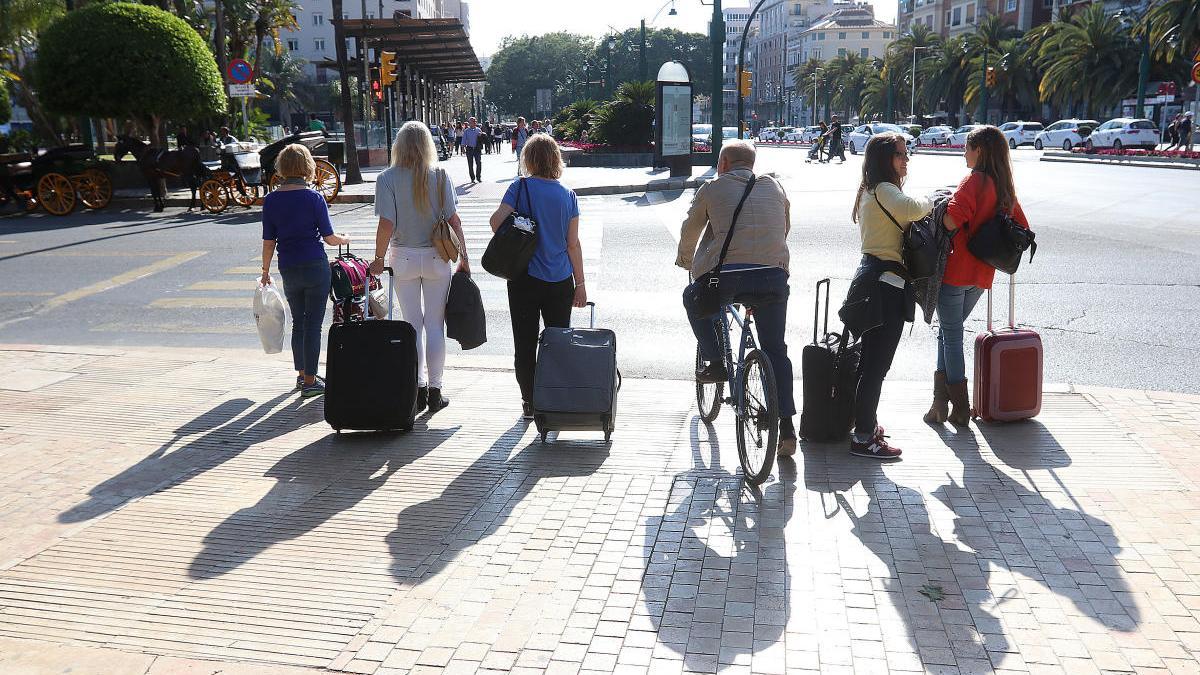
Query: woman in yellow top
[{"x": 881, "y": 291}]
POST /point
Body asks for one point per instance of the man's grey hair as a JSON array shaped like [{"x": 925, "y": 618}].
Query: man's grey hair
[{"x": 738, "y": 152}]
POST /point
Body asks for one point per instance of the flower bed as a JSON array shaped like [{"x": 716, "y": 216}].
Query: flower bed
[
  {"x": 1110, "y": 152},
  {"x": 602, "y": 148}
]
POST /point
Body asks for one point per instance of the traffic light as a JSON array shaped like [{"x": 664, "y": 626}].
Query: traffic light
[
  {"x": 376, "y": 90},
  {"x": 387, "y": 68},
  {"x": 991, "y": 76},
  {"x": 745, "y": 83}
]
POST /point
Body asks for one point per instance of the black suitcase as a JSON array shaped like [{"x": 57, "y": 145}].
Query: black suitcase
[
  {"x": 576, "y": 380},
  {"x": 371, "y": 374},
  {"x": 829, "y": 368}
]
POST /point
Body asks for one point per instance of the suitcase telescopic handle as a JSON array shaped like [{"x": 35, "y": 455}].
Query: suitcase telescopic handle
[
  {"x": 592, "y": 306},
  {"x": 817, "y": 309},
  {"x": 1012, "y": 304}
]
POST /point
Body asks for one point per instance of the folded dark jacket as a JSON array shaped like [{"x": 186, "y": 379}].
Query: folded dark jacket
[
  {"x": 465, "y": 318},
  {"x": 863, "y": 309}
]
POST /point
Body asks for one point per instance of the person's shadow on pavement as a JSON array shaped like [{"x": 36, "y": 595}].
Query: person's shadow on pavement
[
  {"x": 224, "y": 431},
  {"x": 313, "y": 485},
  {"x": 716, "y": 584},
  {"x": 431, "y": 534}
]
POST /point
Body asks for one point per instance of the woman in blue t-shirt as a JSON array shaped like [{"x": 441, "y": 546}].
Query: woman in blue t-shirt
[
  {"x": 554, "y": 281},
  {"x": 295, "y": 221}
]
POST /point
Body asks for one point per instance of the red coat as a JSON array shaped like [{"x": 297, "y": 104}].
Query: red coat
[{"x": 973, "y": 204}]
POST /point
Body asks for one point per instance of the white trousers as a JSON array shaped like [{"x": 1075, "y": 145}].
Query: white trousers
[{"x": 421, "y": 283}]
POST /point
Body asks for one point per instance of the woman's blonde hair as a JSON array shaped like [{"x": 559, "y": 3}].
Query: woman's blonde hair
[
  {"x": 542, "y": 157},
  {"x": 413, "y": 149},
  {"x": 295, "y": 161}
]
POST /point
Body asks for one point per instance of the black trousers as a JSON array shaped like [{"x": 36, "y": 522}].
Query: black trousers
[
  {"x": 530, "y": 300},
  {"x": 474, "y": 163},
  {"x": 878, "y": 348}
]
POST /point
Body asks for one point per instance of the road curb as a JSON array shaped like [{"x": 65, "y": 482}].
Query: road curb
[{"x": 1187, "y": 165}]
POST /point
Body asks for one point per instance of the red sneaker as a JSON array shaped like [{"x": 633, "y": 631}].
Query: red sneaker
[{"x": 876, "y": 448}]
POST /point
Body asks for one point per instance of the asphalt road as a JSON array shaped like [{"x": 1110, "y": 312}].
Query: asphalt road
[{"x": 1114, "y": 290}]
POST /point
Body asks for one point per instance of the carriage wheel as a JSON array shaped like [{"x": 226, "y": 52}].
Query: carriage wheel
[
  {"x": 94, "y": 188},
  {"x": 212, "y": 196},
  {"x": 327, "y": 181},
  {"x": 56, "y": 194},
  {"x": 244, "y": 195}
]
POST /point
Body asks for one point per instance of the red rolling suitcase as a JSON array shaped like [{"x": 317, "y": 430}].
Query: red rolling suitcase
[{"x": 1008, "y": 369}]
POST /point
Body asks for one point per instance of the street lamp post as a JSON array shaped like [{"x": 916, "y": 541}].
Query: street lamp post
[
  {"x": 741, "y": 112},
  {"x": 912, "y": 109},
  {"x": 814, "y": 101},
  {"x": 717, "y": 35}
]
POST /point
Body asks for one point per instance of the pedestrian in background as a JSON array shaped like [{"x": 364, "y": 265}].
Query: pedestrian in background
[
  {"x": 471, "y": 147},
  {"x": 836, "y": 144},
  {"x": 458, "y": 134},
  {"x": 554, "y": 281},
  {"x": 1185, "y": 131},
  {"x": 1172, "y": 132},
  {"x": 519, "y": 136},
  {"x": 411, "y": 195},
  {"x": 989, "y": 188},
  {"x": 486, "y": 135},
  {"x": 295, "y": 220},
  {"x": 880, "y": 300}
]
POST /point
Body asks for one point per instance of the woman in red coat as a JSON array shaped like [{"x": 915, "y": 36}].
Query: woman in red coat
[{"x": 988, "y": 188}]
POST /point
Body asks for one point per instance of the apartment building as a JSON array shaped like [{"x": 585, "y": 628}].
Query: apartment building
[
  {"x": 312, "y": 42},
  {"x": 847, "y": 31},
  {"x": 735, "y": 22}
]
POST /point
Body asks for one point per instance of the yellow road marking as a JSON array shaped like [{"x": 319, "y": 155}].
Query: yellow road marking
[
  {"x": 106, "y": 254},
  {"x": 202, "y": 303},
  {"x": 247, "y": 285},
  {"x": 25, "y": 294},
  {"x": 168, "y": 328},
  {"x": 121, "y": 279}
]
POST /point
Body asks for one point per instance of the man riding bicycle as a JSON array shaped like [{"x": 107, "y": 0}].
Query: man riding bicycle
[{"x": 755, "y": 272}]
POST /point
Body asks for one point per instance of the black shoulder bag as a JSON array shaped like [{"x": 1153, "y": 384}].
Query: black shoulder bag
[
  {"x": 703, "y": 295},
  {"x": 514, "y": 242},
  {"x": 920, "y": 251},
  {"x": 1000, "y": 242}
]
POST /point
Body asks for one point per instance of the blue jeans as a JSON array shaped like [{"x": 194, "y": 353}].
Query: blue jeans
[
  {"x": 954, "y": 306},
  {"x": 767, "y": 291},
  {"x": 306, "y": 287}
]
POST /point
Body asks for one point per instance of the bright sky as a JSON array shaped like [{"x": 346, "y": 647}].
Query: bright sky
[{"x": 491, "y": 20}]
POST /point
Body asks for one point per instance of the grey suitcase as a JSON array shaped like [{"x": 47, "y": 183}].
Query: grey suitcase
[{"x": 576, "y": 380}]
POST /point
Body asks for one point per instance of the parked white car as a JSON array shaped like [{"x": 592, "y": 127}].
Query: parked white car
[
  {"x": 1020, "y": 133},
  {"x": 1124, "y": 132},
  {"x": 807, "y": 134},
  {"x": 856, "y": 140},
  {"x": 1065, "y": 134},
  {"x": 935, "y": 136},
  {"x": 767, "y": 134},
  {"x": 959, "y": 137}
]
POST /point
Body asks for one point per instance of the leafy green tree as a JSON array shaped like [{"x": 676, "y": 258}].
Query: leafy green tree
[
  {"x": 23, "y": 21},
  {"x": 691, "y": 49},
  {"x": 1089, "y": 61},
  {"x": 627, "y": 120},
  {"x": 525, "y": 64},
  {"x": 149, "y": 66}
]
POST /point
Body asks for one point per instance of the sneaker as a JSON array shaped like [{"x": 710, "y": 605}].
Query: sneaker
[
  {"x": 713, "y": 373},
  {"x": 317, "y": 388},
  {"x": 526, "y": 410},
  {"x": 876, "y": 448},
  {"x": 787, "y": 437},
  {"x": 299, "y": 382}
]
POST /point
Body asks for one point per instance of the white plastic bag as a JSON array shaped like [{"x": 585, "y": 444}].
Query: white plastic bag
[{"x": 271, "y": 315}]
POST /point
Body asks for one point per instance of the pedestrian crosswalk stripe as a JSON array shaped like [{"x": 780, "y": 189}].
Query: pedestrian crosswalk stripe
[
  {"x": 222, "y": 285},
  {"x": 244, "y": 270},
  {"x": 226, "y": 302}
]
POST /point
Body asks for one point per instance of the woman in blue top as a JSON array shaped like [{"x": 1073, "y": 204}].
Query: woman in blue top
[
  {"x": 554, "y": 281},
  {"x": 295, "y": 221}
]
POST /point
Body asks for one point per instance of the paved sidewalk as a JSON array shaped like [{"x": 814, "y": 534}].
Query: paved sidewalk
[{"x": 181, "y": 511}]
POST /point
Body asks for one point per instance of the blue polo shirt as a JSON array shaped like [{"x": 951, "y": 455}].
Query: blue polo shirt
[
  {"x": 296, "y": 220},
  {"x": 553, "y": 206},
  {"x": 470, "y": 137}
]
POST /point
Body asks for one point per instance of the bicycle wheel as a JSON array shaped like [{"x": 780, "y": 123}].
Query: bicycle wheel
[
  {"x": 708, "y": 396},
  {"x": 757, "y": 403}
]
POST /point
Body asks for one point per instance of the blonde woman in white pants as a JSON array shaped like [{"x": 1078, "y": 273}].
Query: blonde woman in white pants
[{"x": 410, "y": 195}]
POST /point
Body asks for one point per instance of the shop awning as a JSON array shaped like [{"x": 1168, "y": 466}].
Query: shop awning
[{"x": 438, "y": 48}]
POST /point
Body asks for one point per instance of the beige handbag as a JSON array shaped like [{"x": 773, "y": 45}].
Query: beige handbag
[{"x": 445, "y": 240}]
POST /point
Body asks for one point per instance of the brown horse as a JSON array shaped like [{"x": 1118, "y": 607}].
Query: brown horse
[{"x": 157, "y": 165}]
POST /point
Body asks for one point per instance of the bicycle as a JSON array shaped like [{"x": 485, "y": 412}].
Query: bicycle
[{"x": 753, "y": 396}]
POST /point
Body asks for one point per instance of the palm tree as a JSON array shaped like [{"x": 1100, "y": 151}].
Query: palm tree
[
  {"x": 280, "y": 74},
  {"x": 273, "y": 16},
  {"x": 1174, "y": 27},
  {"x": 944, "y": 75},
  {"x": 920, "y": 40},
  {"x": 807, "y": 79},
  {"x": 879, "y": 91},
  {"x": 1017, "y": 76},
  {"x": 1091, "y": 60},
  {"x": 838, "y": 73},
  {"x": 628, "y": 119}
]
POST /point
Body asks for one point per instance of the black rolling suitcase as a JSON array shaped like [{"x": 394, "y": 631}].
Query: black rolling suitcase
[
  {"x": 371, "y": 374},
  {"x": 576, "y": 380},
  {"x": 830, "y": 370}
]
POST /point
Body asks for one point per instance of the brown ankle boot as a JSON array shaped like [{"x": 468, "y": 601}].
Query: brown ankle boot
[
  {"x": 961, "y": 414},
  {"x": 941, "y": 400}
]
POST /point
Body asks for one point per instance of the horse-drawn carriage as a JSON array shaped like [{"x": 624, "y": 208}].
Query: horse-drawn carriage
[
  {"x": 243, "y": 175},
  {"x": 56, "y": 180}
]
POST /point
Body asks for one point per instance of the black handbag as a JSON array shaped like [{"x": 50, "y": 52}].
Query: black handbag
[
  {"x": 920, "y": 250},
  {"x": 703, "y": 295},
  {"x": 1000, "y": 242},
  {"x": 512, "y": 246}
]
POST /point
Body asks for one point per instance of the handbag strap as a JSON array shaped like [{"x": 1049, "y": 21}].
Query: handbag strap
[
  {"x": 875, "y": 194},
  {"x": 441, "y": 176},
  {"x": 733, "y": 222},
  {"x": 523, "y": 189}
]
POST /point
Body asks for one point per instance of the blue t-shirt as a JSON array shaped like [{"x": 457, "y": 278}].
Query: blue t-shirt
[
  {"x": 470, "y": 136},
  {"x": 296, "y": 220},
  {"x": 553, "y": 205}
]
